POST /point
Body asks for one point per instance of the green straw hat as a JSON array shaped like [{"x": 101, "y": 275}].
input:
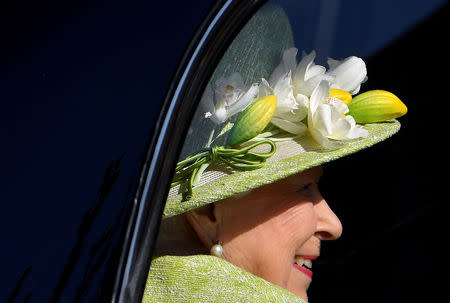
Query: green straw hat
[{"x": 248, "y": 132}]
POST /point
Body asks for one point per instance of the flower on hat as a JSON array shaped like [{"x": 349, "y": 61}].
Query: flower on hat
[
  {"x": 291, "y": 108},
  {"x": 308, "y": 75},
  {"x": 328, "y": 123},
  {"x": 375, "y": 106},
  {"x": 347, "y": 74},
  {"x": 342, "y": 95},
  {"x": 298, "y": 99},
  {"x": 230, "y": 96},
  {"x": 293, "y": 85},
  {"x": 327, "y": 119},
  {"x": 289, "y": 112},
  {"x": 252, "y": 121}
]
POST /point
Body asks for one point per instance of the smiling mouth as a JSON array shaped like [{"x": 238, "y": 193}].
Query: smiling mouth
[{"x": 304, "y": 264}]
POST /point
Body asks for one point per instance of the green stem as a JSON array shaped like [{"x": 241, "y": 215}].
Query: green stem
[
  {"x": 200, "y": 171},
  {"x": 210, "y": 139},
  {"x": 190, "y": 170}
]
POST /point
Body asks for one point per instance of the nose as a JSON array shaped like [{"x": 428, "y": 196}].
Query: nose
[{"x": 329, "y": 226}]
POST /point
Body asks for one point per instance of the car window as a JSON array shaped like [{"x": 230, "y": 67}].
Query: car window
[{"x": 379, "y": 32}]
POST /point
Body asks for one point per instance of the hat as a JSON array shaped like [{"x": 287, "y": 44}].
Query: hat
[{"x": 266, "y": 115}]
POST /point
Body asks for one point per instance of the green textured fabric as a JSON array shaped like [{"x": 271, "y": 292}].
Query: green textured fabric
[
  {"x": 244, "y": 181},
  {"x": 204, "y": 278}
]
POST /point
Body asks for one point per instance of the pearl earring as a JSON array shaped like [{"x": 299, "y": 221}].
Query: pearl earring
[{"x": 217, "y": 250}]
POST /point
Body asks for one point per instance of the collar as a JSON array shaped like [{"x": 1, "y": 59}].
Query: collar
[{"x": 204, "y": 278}]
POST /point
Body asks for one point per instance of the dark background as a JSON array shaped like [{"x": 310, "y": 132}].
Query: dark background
[
  {"x": 81, "y": 84},
  {"x": 391, "y": 197}
]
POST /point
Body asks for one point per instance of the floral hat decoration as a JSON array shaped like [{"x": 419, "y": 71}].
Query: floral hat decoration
[{"x": 266, "y": 115}]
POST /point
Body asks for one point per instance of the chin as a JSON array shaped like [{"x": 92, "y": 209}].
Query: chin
[
  {"x": 301, "y": 293},
  {"x": 298, "y": 284},
  {"x": 299, "y": 290}
]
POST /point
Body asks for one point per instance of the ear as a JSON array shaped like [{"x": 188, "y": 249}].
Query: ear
[{"x": 205, "y": 224}]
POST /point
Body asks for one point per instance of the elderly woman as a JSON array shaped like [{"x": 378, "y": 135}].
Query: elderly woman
[
  {"x": 244, "y": 219},
  {"x": 277, "y": 242}
]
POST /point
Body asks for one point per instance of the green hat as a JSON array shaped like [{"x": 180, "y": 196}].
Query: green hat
[{"x": 264, "y": 116}]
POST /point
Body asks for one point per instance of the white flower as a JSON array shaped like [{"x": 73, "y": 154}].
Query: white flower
[
  {"x": 288, "y": 64},
  {"x": 231, "y": 97},
  {"x": 347, "y": 74},
  {"x": 308, "y": 75},
  {"x": 290, "y": 111},
  {"x": 327, "y": 121}
]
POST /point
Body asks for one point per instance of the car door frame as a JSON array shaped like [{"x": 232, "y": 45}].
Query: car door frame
[{"x": 220, "y": 26}]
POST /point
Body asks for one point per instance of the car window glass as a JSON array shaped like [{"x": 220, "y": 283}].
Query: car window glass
[{"x": 379, "y": 32}]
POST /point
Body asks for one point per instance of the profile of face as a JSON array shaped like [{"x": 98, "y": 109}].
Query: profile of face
[{"x": 274, "y": 231}]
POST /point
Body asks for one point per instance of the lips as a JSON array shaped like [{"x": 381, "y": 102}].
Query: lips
[{"x": 304, "y": 264}]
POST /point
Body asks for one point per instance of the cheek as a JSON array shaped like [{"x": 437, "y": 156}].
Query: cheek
[
  {"x": 268, "y": 248},
  {"x": 263, "y": 253},
  {"x": 280, "y": 235},
  {"x": 297, "y": 225}
]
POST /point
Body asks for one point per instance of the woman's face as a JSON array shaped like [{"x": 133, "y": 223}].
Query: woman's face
[{"x": 272, "y": 230}]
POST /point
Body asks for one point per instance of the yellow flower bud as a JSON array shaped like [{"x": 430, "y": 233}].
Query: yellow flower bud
[
  {"x": 252, "y": 121},
  {"x": 340, "y": 94},
  {"x": 376, "y": 106}
]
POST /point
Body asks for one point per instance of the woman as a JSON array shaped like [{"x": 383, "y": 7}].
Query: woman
[
  {"x": 245, "y": 218},
  {"x": 290, "y": 215}
]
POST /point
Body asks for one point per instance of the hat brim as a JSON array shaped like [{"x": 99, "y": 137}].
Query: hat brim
[{"x": 244, "y": 181}]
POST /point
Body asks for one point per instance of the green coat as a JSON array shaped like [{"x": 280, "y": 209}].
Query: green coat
[{"x": 204, "y": 278}]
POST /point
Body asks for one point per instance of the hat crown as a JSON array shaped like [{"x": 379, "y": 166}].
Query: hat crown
[{"x": 253, "y": 54}]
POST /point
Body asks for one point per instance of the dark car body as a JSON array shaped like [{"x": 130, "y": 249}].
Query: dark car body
[{"x": 97, "y": 98}]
